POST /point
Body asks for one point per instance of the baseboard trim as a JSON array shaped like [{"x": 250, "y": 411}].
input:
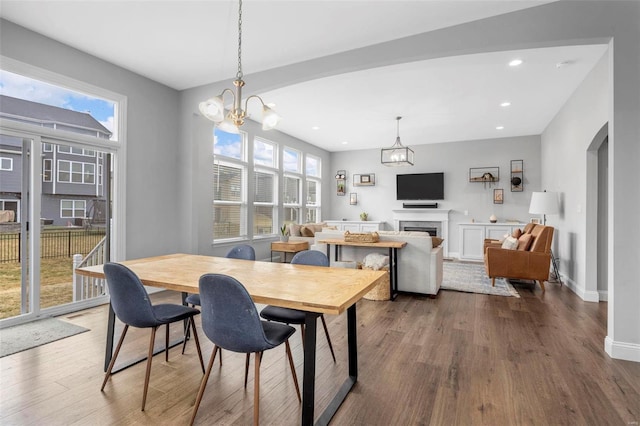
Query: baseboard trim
[
  {"x": 587, "y": 296},
  {"x": 622, "y": 350},
  {"x": 604, "y": 295}
]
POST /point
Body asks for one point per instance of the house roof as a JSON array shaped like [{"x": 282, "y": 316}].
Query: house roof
[{"x": 43, "y": 114}]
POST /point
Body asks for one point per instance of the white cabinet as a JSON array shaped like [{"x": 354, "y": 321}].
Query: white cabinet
[
  {"x": 472, "y": 236},
  {"x": 356, "y": 225}
]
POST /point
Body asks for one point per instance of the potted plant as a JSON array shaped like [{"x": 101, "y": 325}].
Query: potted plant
[
  {"x": 364, "y": 216},
  {"x": 284, "y": 234}
]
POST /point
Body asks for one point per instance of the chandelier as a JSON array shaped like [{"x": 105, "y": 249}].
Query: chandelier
[
  {"x": 213, "y": 108},
  {"x": 398, "y": 154}
]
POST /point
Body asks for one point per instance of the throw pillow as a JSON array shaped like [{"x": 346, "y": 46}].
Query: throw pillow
[
  {"x": 436, "y": 241},
  {"x": 524, "y": 242},
  {"x": 510, "y": 243},
  {"x": 294, "y": 230},
  {"x": 517, "y": 233},
  {"x": 307, "y": 231}
]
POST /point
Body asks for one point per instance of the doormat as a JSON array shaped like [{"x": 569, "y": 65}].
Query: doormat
[
  {"x": 472, "y": 278},
  {"x": 36, "y": 333}
]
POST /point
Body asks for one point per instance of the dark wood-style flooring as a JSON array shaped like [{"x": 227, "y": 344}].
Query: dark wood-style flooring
[{"x": 459, "y": 359}]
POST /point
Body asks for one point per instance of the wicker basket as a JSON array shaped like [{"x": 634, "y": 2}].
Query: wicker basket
[
  {"x": 369, "y": 237},
  {"x": 381, "y": 291}
]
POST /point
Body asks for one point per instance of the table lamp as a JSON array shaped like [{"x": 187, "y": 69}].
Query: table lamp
[{"x": 544, "y": 203}]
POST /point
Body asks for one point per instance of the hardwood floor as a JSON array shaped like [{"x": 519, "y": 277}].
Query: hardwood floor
[{"x": 459, "y": 359}]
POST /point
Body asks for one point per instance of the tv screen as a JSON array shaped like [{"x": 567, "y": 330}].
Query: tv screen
[{"x": 420, "y": 186}]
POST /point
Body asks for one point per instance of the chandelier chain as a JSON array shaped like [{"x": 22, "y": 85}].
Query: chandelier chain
[{"x": 239, "y": 73}]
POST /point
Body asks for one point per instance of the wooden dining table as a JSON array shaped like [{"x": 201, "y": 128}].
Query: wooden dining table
[{"x": 313, "y": 289}]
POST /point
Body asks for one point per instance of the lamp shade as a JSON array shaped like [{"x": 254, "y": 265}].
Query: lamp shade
[
  {"x": 544, "y": 203},
  {"x": 213, "y": 109}
]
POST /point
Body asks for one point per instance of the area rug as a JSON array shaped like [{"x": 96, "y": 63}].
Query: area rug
[
  {"x": 36, "y": 333},
  {"x": 472, "y": 278}
]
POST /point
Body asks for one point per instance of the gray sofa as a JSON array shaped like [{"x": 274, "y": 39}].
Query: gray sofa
[{"x": 419, "y": 264}]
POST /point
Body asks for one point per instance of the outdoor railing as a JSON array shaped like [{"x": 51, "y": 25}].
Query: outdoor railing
[
  {"x": 53, "y": 244},
  {"x": 89, "y": 287}
]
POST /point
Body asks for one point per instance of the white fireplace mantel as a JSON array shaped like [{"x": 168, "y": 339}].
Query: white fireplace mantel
[{"x": 426, "y": 215}]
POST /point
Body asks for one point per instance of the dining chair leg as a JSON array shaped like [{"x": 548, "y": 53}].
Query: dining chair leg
[
  {"x": 166, "y": 344},
  {"x": 256, "y": 391},
  {"x": 113, "y": 358},
  {"x": 203, "y": 385},
  {"x": 195, "y": 338},
  {"x": 302, "y": 334},
  {"x": 326, "y": 332},
  {"x": 293, "y": 369},
  {"x": 246, "y": 370},
  {"x": 149, "y": 359}
]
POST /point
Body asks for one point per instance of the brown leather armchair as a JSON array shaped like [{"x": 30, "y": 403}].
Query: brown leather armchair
[{"x": 530, "y": 264}]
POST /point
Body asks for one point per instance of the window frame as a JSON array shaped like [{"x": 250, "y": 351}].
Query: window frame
[
  {"x": 73, "y": 209},
  {"x": 4, "y": 169}
]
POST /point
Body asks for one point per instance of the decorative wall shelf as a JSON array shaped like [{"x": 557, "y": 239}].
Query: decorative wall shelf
[
  {"x": 484, "y": 175},
  {"x": 517, "y": 175}
]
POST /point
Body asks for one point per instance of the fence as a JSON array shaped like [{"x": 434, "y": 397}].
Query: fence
[{"x": 58, "y": 243}]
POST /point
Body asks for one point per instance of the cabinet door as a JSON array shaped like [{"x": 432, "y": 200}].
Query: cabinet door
[
  {"x": 369, "y": 227},
  {"x": 471, "y": 242},
  {"x": 351, "y": 227},
  {"x": 497, "y": 232}
]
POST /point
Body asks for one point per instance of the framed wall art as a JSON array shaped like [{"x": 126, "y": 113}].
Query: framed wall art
[
  {"x": 498, "y": 196},
  {"x": 364, "y": 180}
]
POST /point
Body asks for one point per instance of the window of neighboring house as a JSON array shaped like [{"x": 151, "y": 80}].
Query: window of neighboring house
[
  {"x": 47, "y": 147},
  {"x": 73, "y": 208},
  {"x": 230, "y": 185},
  {"x": 291, "y": 199},
  {"x": 291, "y": 160},
  {"x": 265, "y": 187},
  {"x": 47, "y": 164},
  {"x": 76, "y": 172},
  {"x": 66, "y": 149},
  {"x": 6, "y": 164}
]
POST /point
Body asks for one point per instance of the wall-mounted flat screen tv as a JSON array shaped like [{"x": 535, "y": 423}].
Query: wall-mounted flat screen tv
[{"x": 420, "y": 186}]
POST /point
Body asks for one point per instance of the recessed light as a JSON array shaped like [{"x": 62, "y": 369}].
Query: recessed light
[
  {"x": 505, "y": 104},
  {"x": 499, "y": 127},
  {"x": 315, "y": 128},
  {"x": 344, "y": 142},
  {"x": 516, "y": 62},
  {"x": 563, "y": 64}
]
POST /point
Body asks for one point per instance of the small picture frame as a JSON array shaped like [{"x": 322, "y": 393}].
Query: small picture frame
[
  {"x": 368, "y": 179},
  {"x": 535, "y": 220},
  {"x": 498, "y": 196},
  {"x": 353, "y": 198}
]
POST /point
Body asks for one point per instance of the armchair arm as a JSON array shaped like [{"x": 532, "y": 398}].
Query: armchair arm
[
  {"x": 491, "y": 242},
  {"x": 505, "y": 263}
]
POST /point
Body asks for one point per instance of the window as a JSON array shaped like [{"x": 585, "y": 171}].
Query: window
[
  {"x": 291, "y": 201},
  {"x": 313, "y": 166},
  {"x": 291, "y": 160},
  {"x": 46, "y": 170},
  {"x": 230, "y": 185},
  {"x": 264, "y": 153},
  {"x": 73, "y": 208},
  {"x": 6, "y": 164},
  {"x": 66, "y": 149},
  {"x": 313, "y": 201},
  {"x": 47, "y": 147},
  {"x": 264, "y": 202},
  {"x": 76, "y": 172}
]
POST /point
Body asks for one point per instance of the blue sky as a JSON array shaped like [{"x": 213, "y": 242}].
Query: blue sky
[{"x": 22, "y": 87}]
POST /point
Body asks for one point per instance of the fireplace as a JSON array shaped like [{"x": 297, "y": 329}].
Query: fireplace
[{"x": 433, "y": 221}]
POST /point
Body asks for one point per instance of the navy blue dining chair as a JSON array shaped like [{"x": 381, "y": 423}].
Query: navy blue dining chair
[
  {"x": 131, "y": 304},
  {"x": 231, "y": 321},
  {"x": 294, "y": 316},
  {"x": 241, "y": 251}
]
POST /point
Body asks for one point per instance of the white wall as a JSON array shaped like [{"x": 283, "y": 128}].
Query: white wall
[
  {"x": 564, "y": 154},
  {"x": 151, "y": 141},
  {"x": 454, "y": 159}
]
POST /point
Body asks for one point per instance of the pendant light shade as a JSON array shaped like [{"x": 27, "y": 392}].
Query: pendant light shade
[{"x": 398, "y": 154}]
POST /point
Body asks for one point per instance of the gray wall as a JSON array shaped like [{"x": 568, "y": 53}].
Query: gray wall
[
  {"x": 153, "y": 212},
  {"x": 454, "y": 159}
]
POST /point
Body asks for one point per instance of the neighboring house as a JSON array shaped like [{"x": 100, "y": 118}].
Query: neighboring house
[{"x": 73, "y": 179}]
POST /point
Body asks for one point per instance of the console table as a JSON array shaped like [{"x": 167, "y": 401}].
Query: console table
[
  {"x": 288, "y": 247},
  {"x": 393, "y": 247}
]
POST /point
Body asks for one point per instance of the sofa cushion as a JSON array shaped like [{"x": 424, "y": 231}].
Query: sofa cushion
[
  {"x": 307, "y": 231},
  {"x": 294, "y": 230},
  {"x": 524, "y": 242},
  {"x": 516, "y": 233},
  {"x": 510, "y": 243},
  {"x": 436, "y": 241}
]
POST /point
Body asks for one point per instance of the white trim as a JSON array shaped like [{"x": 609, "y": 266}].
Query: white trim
[
  {"x": 10, "y": 169},
  {"x": 604, "y": 295},
  {"x": 580, "y": 291},
  {"x": 622, "y": 350}
]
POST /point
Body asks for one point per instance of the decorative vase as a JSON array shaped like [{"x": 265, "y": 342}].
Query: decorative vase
[
  {"x": 363, "y": 216},
  {"x": 493, "y": 218},
  {"x": 284, "y": 238}
]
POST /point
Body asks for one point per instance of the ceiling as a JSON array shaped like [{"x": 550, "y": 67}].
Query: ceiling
[{"x": 185, "y": 44}]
